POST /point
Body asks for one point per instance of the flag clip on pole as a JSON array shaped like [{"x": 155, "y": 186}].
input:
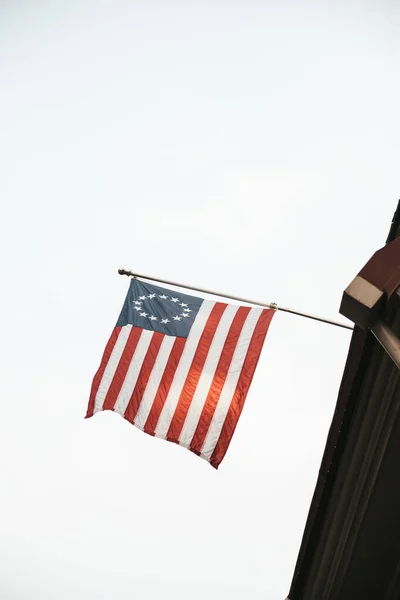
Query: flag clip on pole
[{"x": 271, "y": 305}]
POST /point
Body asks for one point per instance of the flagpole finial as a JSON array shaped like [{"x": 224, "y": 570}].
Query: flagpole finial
[{"x": 124, "y": 272}]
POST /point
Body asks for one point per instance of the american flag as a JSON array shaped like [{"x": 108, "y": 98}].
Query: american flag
[{"x": 179, "y": 367}]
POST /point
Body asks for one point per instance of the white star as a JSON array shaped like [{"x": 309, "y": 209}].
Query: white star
[
  {"x": 174, "y": 299},
  {"x": 151, "y": 296},
  {"x": 153, "y": 318},
  {"x": 142, "y": 297},
  {"x": 187, "y": 310},
  {"x": 137, "y": 307},
  {"x": 165, "y": 321},
  {"x": 137, "y": 302},
  {"x": 183, "y": 304},
  {"x": 163, "y": 297},
  {"x": 185, "y": 315},
  {"x": 143, "y": 314},
  {"x": 177, "y": 318}
]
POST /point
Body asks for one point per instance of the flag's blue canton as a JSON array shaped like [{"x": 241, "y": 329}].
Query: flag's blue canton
[{"x": 158, "y": 309}]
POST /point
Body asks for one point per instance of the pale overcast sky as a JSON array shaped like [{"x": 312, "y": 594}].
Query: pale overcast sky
[{"x": 248, "y": 146}]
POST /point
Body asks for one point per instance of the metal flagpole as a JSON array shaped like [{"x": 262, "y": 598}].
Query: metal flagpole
[{"x": 214, "y": 293}]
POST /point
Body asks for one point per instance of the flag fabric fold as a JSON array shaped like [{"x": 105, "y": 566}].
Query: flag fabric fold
[{"x": 179, "y": 367}]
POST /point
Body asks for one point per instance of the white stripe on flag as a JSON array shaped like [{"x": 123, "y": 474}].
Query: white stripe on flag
[
  {"x": 183, "y": 368},
  {"x": 133, "y": 372},
  {"x": 111, "y": 367},
  {"x": 154, "y": 381},
  {"x": 231, "y": 381},
  {"x": 207, "y": 375}
]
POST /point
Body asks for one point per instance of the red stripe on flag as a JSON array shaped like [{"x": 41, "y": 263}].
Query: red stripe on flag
[
  {"x": 218, "y": 382},
  {"x": 196, "y": 368},
  {"x": 165, "y": 385},
  {"x": 245, "y": 379},
  {"x": 122, "y": 368},
  {"x": 98, "y": 377},
  {"x": 144, "y": 376}
]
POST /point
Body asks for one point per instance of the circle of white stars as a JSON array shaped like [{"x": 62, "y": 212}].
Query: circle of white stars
[{"x": 183, "y": 307}]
